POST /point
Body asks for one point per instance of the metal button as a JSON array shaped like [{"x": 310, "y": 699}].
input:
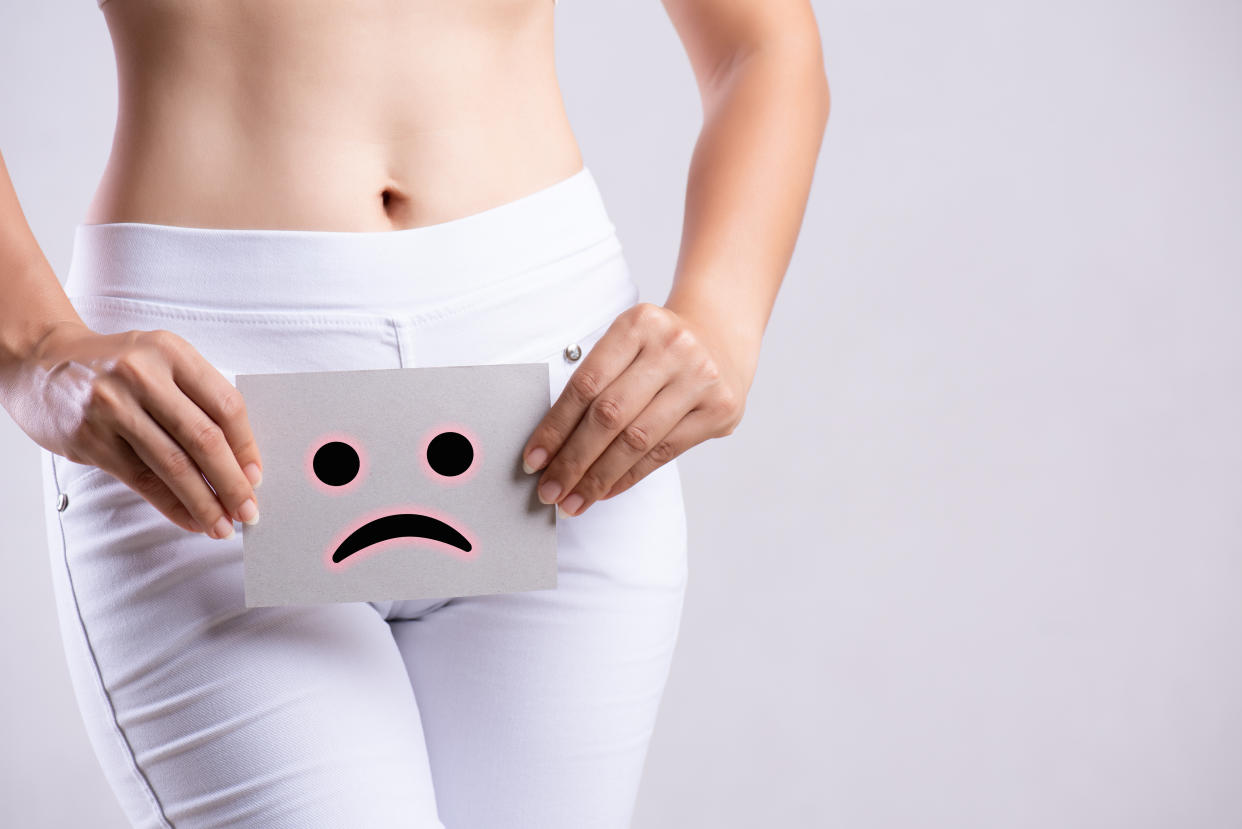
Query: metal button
[
  {"x": 572, "y": 352},
  {"x": 62, "y": 501}
]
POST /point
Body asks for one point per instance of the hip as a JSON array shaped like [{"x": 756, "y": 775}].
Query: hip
[
  {"x": 505, "y": 284},
  {"x": 520, "y": 282}
]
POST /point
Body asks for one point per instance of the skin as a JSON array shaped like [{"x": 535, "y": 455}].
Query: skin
[
  {"x": 310, "y": 114},
  {"x": 665, "y": 378}
]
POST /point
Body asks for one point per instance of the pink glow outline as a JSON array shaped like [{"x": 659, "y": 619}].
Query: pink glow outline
[
  {"x": 418, "y": 541},
  {"x": 308, "y": 462},
  {"x": 475, "y": 443}
]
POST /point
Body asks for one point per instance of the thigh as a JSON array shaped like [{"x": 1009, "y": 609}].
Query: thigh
[
  {"x": 538, "y": 706},
  {"x": 204, "y": 713}
]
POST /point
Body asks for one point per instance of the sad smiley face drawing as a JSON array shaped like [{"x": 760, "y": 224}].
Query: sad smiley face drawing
[
  {"x": 447, "y": 456},
  {"x": 396, "y": 484}
]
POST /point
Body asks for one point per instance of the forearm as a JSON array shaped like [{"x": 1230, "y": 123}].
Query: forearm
[
  {"x": 32, "y": 301},
  {"x": 749, "y": 179}
]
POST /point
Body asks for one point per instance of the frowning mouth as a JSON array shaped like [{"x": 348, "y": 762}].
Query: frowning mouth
[{"x": 399, "y": 525}]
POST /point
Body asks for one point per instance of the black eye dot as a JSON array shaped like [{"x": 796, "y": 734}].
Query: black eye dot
[
  {"x": 450, "y": 453},
  {"x": 336, "y": 463}
]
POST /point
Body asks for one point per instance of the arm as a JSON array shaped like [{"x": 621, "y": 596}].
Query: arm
[
  {"x": 34, "y": 303},
  {"x": 664, "y": 378},
  {"x": 761, "y": 78},
  {"x": 144, "y": 406}
]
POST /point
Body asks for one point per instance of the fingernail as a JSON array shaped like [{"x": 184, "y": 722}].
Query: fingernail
[
  {"x": 570, "y": 505},
  {"x": 248, "y": 512},
  {"x": 534, "y": 460},
  {"x": 223, "y": 528},
  {"x": 253, "y": 474},
  {"x": 549, "y": 491}
]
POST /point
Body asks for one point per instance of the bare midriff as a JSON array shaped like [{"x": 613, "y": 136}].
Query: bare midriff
[{"x": 330, "y": 115}]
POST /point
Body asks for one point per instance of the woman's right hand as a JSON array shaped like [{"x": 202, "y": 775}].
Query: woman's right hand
[{"x": 148, "y": 408}]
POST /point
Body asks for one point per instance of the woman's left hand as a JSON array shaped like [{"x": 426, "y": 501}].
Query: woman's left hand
[{"x": 656, "y": 383}]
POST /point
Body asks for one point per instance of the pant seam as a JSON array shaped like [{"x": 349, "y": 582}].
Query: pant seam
[
  {"x": 143, "y": 781},
  {"x": 401, "y": 348},
  {"x": 319, "y": 318}
]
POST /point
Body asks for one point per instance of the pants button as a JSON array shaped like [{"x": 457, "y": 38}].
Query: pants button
[
  {"x": 572, "y": 352},
  {"x": 62, "y": 501}
]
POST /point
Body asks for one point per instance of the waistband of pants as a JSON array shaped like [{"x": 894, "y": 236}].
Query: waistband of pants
[{"x": 498, "y": 253}]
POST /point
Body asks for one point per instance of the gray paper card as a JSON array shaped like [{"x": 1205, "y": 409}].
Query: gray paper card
[{"x": 396, "y": 484}]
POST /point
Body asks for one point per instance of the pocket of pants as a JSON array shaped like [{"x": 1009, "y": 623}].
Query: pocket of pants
[
  {"x": 561, "y": 367},
  {"x": 72, "y": 478},
  {"x": 236, "y": 341}
]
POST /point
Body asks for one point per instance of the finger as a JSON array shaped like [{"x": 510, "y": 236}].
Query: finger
[
  {"x": 612, "y": 409},
  {"x": 611, "y": 355},
  {"x": 688, "y": 432},
  {"x": 119, "y": 460},
  {"x": 223, "y": 403},
  {"x": 205, "y": 442},
  {"x": 176, "y": 468},
  {"x": 642, "y": 436}
]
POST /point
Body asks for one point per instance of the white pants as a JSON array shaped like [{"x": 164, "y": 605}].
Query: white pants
[{"x": 509, "y": 710}]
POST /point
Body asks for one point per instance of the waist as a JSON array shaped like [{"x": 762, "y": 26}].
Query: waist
[
  {"x": 243, "y": 183},
  {"x": 314, "y": 114},
  {"x": 559, "y": 236}
]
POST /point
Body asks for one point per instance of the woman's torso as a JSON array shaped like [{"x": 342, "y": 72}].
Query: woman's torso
[{"x": 330, "y": 115}]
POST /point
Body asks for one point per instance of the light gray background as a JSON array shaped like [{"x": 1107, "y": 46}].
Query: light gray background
[{"x": 972, "y": 558}]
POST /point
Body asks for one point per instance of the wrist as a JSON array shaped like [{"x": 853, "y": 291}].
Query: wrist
[
  {"x": 23, "y": 340},
  {"x": 738, "y": 338},
  {"x": 36, "y": 307}
]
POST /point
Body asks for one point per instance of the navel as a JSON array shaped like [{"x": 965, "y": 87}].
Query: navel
[{"x": 395, "y": 204}]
